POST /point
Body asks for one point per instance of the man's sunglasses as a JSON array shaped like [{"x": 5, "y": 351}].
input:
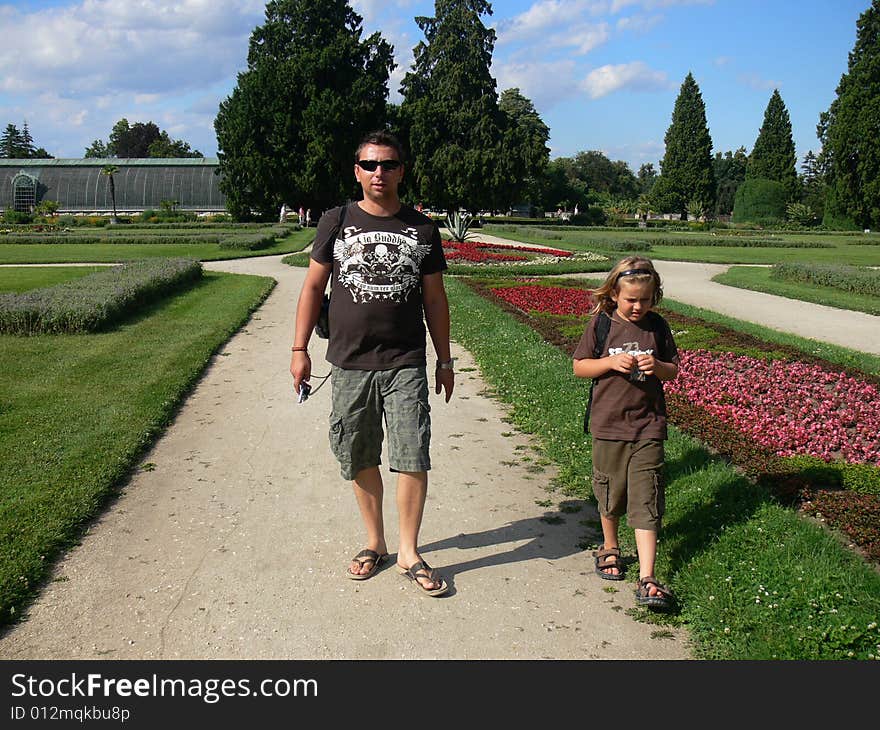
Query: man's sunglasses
[{"x": 386, "y": 165}]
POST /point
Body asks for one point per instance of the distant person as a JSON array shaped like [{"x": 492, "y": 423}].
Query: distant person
[
  {"x": 308, "y": 217},
  {"x": 301, "y": 215},
  {"x": 627, "y": 418},
  {"x": 283, "y": 215},
  {"x": 387, "y": 265}
]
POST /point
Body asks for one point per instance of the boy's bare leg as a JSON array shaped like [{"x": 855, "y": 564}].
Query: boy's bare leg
[
  {"x": 412, "y": 491},
  {"x": 646, "y": 545},
  {"x": 368, "y": 490},
  {"x": 609, "y": 537}
]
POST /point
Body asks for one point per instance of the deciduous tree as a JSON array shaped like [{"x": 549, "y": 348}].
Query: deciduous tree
[{"x": 311, "y": 90}]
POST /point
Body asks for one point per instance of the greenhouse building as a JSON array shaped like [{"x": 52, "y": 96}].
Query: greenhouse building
[{"x": 138, "y": 184}]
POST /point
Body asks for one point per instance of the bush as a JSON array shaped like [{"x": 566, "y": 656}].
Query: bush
[
  {"x": 852, "y": 279},
  {"x": 16, "y": 216},
  {"x": 97, "y": 301},
  {"x": 760, "y": 201}
]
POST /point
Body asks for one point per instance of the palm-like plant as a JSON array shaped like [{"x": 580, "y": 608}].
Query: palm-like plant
[
  {"x": 110, "y": 171},
  {"x": 458, "y": 225}
]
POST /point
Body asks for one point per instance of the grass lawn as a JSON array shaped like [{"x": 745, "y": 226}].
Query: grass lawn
[
  {"x": 25, "y": 278},
  {"x": 81, "y": 409},
  {"x": 757, "y": 278},
  {"x": 754, "y": 579}
]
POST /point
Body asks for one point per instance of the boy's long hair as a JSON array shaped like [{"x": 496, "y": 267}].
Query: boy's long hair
[{"x": 611, "y": 285}]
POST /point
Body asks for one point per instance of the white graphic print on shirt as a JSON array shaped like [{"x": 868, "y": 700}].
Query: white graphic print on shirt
[{"x": 379, "y": 265}]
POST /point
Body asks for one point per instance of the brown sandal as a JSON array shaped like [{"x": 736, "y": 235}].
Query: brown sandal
[
  {"x": 364, "y": 557},
  {"x": 662, "y": 599},
  {"x": 603, "y": 562},
  {"x": 420, "y": 571}
]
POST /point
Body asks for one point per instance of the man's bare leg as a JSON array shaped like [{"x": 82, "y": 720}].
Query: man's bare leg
[
  {"x": 369, "y": 491},
  {"x": 412, "y": 491}
]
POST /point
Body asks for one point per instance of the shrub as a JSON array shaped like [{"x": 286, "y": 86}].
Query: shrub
[
  {"x": 96, "y": 301},
  {"x": 16, "y": 216},
  {"x": 853, "y": 279},
  {"x": 760, "y": 201}
]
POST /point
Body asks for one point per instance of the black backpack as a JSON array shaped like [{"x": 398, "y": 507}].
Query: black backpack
[
  {"x": 322, "y": 326},
  {"x": 656, "y": 324}
]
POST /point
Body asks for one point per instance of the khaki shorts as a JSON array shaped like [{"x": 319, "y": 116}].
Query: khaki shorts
[
  {"x": 628, "y": 477},
  {"x": 362, "y": 400}
]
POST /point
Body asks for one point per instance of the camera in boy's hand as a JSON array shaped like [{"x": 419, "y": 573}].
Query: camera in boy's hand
[
  {"x": 634, "y": 374},
  {"x": 304, "y": 390}
]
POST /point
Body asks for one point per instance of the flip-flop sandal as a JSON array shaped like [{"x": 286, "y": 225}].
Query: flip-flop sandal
[
  {"x": 363, "y": 558},
  {"x": 662, "y": 599},
  {"x": 425, "y": 572},
  {"x": 603, "y": 562}
]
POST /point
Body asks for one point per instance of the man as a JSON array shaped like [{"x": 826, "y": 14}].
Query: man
[{"x": 387, "y": 264}]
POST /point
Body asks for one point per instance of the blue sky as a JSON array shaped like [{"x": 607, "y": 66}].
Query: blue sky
[{"x": 603, "y": 74}]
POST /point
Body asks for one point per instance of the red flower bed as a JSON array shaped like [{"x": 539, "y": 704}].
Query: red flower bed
[
  {"x": 548, "y": 299},
  {"x": 790, "y": 408},
  {"x": 479, "y": 252}
]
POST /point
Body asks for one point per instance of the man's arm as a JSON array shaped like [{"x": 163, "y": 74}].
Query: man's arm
[
  {"x": 437, "y": 318},
  {"x": 308, "y": 308}
]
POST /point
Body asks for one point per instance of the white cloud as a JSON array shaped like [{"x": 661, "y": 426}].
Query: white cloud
[
  {"x": 558, "y": 23},
  {"x": 755, "y": 81},
  {"x": 545, "y": 83},
  {"x": 144, "y": 47},
  {"x": 635, "y": 76},
  {"x": 638, "y": 23}
]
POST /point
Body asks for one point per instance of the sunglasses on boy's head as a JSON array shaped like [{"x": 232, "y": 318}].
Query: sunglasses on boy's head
[{"x": 386, "y": 165}]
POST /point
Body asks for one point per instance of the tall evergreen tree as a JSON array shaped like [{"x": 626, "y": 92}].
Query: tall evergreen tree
[
  {"x": 524, "y": 151},
  {"x": 27, "y": 148},
  {"x": 773, "y": 156},
  {"x": 312, "y": 89},
  {"x": 450, "y": 108},
  {"x": 849, "y": 130},
  {"x": 10, "y": 142},
  {"x": 686, "y": 174}
]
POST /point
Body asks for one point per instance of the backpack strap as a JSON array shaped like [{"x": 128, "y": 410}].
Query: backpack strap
[{"x": 603, "y": 326}]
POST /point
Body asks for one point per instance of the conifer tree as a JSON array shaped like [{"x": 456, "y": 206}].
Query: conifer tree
[
  {"x": 686, "y": 173},
  {"x": 849, "y": 130},
  {"x": 450, "y": 109},
  {"x": 312, "y": 89},
  {"x": 773, "y": 156}
]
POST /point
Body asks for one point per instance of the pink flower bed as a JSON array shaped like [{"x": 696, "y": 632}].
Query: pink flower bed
[
  {"x": 549, "y": 299},
  {"x": 788, "y": 407}
]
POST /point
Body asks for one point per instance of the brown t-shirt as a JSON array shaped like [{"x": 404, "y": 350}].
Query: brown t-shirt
[
  {"x": 376, "y": 312},
  {"x": 624, "y": 409}
]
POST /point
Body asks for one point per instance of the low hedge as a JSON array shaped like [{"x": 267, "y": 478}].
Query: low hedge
[
  {"x": 97, "y": 301},
  {"x": 852, "y": 279}
]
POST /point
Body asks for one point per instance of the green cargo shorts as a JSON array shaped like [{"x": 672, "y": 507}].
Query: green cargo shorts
[
  {"x": 628, "y": 476},
  {"x": 362, "y": 400}
]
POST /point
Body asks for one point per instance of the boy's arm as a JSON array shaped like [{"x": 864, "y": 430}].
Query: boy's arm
[
  {"x": 593, "y": 367},
  {"x": 436, "y": 306}
]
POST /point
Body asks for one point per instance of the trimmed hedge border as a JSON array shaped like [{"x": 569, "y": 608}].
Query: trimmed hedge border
[
  {"x": 852, "y": 279},
  {"x": 97, "y": 301}
]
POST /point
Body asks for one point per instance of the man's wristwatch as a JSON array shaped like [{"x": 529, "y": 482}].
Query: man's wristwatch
[{"x": 447, "y": 365}]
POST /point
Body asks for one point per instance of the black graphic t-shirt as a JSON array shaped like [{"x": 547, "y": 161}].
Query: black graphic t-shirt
[{"x": 376, "y": 314}]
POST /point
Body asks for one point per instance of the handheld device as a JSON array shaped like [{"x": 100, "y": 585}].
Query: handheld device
[{"x": 304, "y": 390}]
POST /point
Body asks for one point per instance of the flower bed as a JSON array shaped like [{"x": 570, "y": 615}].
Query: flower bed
[
  {"x": 478, "y": 252},
  {"x": 547, "y": 299},
  {"x": 788, "y": 408}
]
